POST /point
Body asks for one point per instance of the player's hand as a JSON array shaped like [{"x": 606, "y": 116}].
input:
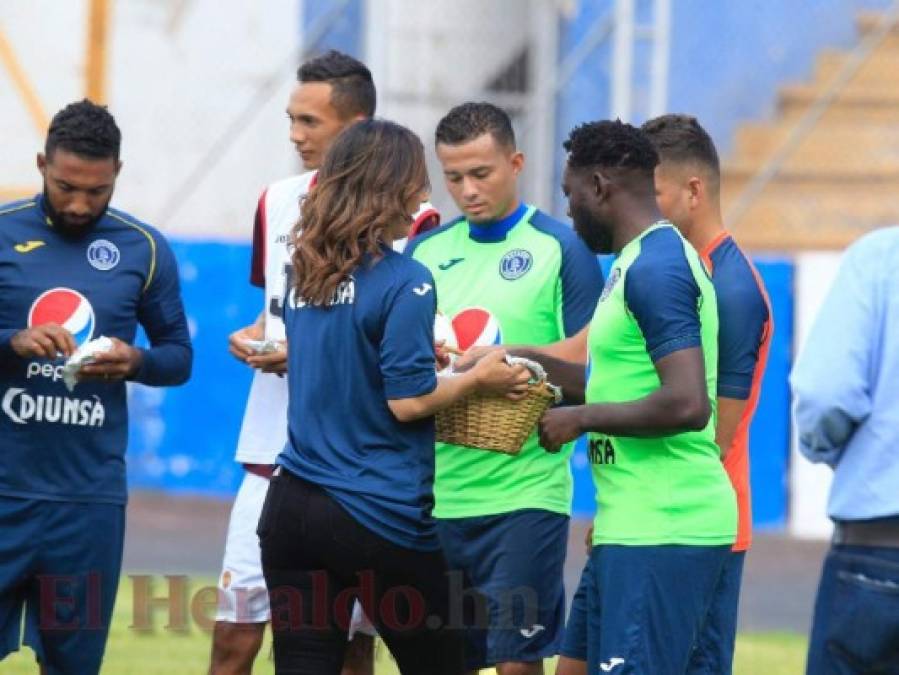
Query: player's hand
[
  {"x": 273, "y": 362},
  {"x": 237, "y": 339},
  {"x": 46, "y": 341},
  {"x": 588, "y": 539},
  {"x": 118, "y": 363},
  {"x": 558, "y": 426},
  {"x": 443, "y": 355},
  {"x": 496, "y": 376},
  {"x": 472, "y": 355}
]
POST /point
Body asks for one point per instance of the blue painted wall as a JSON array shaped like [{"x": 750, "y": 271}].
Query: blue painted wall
[
  {"x": 770, "y": 433},
  {"x": 182, "y": 440},
  {"x": 344, "y": 26},
  {"x": 769, "y": 437},
  {"x": 586, "y": 96}
]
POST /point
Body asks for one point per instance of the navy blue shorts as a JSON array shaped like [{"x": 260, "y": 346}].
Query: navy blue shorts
[
  {"x": 642, "y": 607},
  {"x": 574, "y": 644},
  {"x": 514, "y": 598},
  {"x": 714, "y": 653},
  {"x": 59, "y": 563}
]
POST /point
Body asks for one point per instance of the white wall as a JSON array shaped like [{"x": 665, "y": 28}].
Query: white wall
[
  {"x": 810, "y": 483},
  {"x": 429, "y": 55},
  {"x": 47, "y": 38},
  {"x": 180, "y": 75}
]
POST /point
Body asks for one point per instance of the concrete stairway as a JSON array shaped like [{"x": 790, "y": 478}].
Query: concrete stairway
[{"x": 843, "y": 179}]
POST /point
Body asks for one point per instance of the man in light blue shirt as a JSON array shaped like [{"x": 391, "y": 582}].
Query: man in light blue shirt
[{"x": 846, "y": 392}]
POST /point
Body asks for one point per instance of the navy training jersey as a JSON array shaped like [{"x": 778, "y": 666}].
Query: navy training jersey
[
  {"x": 745, "y": 317},
  {"x": 70, "y": 446},
  {"x": 746, "y": 324},
  {"x": 374, "y": 342}
]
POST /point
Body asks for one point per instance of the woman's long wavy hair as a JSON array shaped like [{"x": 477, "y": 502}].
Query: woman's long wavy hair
[{"x": 371, "y": 174}]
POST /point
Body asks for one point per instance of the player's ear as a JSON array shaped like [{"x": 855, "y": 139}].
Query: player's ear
[
  {"x": 118, "y": 167},
  {"x": 695, "y": 190},
  {"x": 601, "y": 185},
  {"x": 42, "y": 163},
  {"x": 517, "y": 160}
]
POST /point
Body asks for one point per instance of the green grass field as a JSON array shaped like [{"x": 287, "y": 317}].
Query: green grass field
[{"x": 161, "y": 651}]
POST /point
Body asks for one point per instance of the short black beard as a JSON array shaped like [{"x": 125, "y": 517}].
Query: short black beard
[
  {"x": 596, "y": 235},
  {"x": 64, "y": 228}
]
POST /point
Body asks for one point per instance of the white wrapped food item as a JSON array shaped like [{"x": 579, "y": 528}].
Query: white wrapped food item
[
  {"x": 445, "y": 335},
  {"x": 443, "y": 331},
  {"x": 538, "y": 374},
  {"x": 263, "y": 346},
  {"x": 85, "y": 354}
]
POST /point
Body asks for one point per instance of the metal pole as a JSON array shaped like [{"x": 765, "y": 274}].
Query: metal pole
[
  {"x": 21, "y": 82},
  {"x": 542, "y": 117},
  {"x": 97, "y": 41},
  {"x": 376, "y": 21},
  {"x": 661, "y": 56},
  {"x": 623, "y": 60}
]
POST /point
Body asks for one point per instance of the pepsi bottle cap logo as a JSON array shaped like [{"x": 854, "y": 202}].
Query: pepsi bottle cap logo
[
  {"x": 476, "y": 327},
  {"x": 66, "y": 307}
]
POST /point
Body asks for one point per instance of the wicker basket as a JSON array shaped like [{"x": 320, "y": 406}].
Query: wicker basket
[{"x": 490, "y": 422}]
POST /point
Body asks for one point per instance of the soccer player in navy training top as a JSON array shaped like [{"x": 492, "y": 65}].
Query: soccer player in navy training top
[
  {"x": 348, "y": 511},
  {"x": 687, "y": 184},
  {"x": 73, "y": 269},
  {"x": 667, "y": 514}
]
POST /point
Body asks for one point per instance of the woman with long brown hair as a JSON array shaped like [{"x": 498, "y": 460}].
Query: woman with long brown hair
[{"x": 348, "y": 513}]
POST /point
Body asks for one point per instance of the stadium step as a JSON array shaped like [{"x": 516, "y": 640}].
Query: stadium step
[
  {"x": 858, "y": 105},
  {"x": 797, "y": 211},
  {"x": 850, "y": 147},
  {"x": 842, "y": 178}
]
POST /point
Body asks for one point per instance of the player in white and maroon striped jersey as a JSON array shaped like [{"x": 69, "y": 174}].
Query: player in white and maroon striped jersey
[{"x": 332, "y": 92}]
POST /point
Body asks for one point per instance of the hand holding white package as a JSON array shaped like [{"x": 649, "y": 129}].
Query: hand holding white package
[
  {"x": 264, "y": 346},
  {"x": 85, "y": 354}
]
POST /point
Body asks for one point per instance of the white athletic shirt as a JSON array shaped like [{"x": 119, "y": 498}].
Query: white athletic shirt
[{"x": 263, "y": 433}]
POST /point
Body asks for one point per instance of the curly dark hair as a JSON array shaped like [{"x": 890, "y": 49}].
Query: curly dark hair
[
  {"x": 353, "y": 89},
  {"x": 468, "y": 121},
  {"x": 86, "y": 129},
  {"x": 680, "y": 139},
  {"x": 612, "y": 145}
]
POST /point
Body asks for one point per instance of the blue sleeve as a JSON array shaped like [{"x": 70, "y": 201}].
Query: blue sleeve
[
  {"x": 742, "y": 317},
  {"x": 581, "y": 285},
  {"x": 663, "y": 296},
  {"x": 831, "y": 377},
  {"x": 407, "y": 344},
  {"x": 580, "y": 274},
  {"x": 170, "y": 356},
  {"x": 6, "y": 336}
]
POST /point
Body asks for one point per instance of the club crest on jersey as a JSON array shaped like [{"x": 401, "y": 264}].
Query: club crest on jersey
[
  {"x": 515, "y": 264},
  {"x": 614, "y": 276},
  {"x": 103, "y": 255},
  {"x": 476, "y": 327},
  {"x": 65, "y": 307}
]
